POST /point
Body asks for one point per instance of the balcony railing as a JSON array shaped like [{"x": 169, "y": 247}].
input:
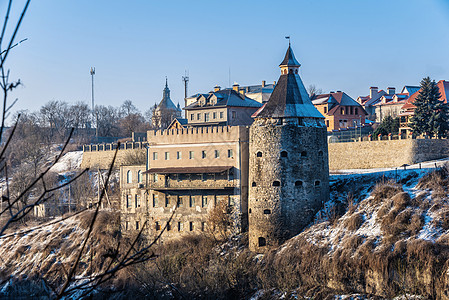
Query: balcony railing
[{"x": 193, "y": 184}]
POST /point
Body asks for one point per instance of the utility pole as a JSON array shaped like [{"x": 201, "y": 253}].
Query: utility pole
[{"x": 92, "y": 73}]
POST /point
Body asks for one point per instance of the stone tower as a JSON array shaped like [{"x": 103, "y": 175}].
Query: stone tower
[{"x": 288, "y": 162}]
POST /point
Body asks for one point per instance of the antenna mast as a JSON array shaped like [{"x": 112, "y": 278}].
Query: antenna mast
[
  {"x": 185, "y": 79},
  {"x": 92, "y": 73}
]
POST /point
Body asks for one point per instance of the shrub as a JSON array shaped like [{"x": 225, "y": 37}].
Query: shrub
[
  {"x": 385, "y": 190},
  {"x": 354, "y": 222}
]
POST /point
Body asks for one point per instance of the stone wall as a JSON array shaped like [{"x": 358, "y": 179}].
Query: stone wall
[
  {"x": 93, "y": 158},
  {"x": 385, "y": 154},
  {"x": 289, "y": 180}
]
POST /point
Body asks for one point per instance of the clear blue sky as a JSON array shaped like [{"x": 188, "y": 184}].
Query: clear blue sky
[{"x": 342, "y": 45}]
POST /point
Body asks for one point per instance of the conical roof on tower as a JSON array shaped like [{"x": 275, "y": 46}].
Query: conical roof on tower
[
  {"x": 289, "y": 59},
  {"x": 289, "y": 98}
]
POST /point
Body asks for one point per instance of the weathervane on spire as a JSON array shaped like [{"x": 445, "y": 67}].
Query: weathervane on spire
[{"x": 288, "y": 38}]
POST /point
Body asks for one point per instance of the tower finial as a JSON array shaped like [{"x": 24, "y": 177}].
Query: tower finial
[
  {"x": 288, "y": 38},
  {"x": 166, "y": 82}
]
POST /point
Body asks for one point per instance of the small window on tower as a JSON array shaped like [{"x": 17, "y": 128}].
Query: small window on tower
[
  {"x": 253, "y": 184},
  {"x": 284, "y": 154},
  {"x": 262, "y": 242},
  {"x": 267, "y": 212},
  {"x": 303, "y": 153},
  {"x": 259, "y": 154},
  {"x": 298, "y": 183},
  {"x": 320, "y": 153},
  {"x": 317, "y": 183},
  {"x": 276, "y": 183}
]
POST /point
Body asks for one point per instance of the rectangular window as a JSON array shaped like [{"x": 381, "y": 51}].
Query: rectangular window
[
  {"x": 351, "y": 109},
  {"x": 221, "y": 115},
  {"x": 327, "y": 123},
  {"x": 198, "y": 116},
  {"x": 191, "y": 226},
  {"x": 342, "y": 111},
  {"x": 192, "y": 117},
  {"x": 204, "y": 201},
  {"x": 157, "y": 226},
  {"x": 192, "y": 201},
  {"x": 230, "y": 153},
  {"x": 167, "y": 155},
  {"x": 214, "y": 115},
  {"x": 234, "y": 115},
  {"x": 203, "y": 154},
  {"x": 128, "y": 201},
  {"x": 137, "y": 225},
  {"x": 180, "y": 202},
  {"x": 206, "y": 117},
  {"x": 167, "y": 201},
  {"x": 203, "y": 226},
  {"x": 155, "y": 178},
  {"x": 126, "y": 225},
  {"x": 168, "y": 226},
  {"x": 179, "y": 226},
  {"x": 325, "y": 109},
  {"x": 190, "y": 154},
  {"x": 178, "y": 155},
  {"x": 154, "y": 200},
  {"x": 154, "y": 155},
  {"x": 217, "y": 153},
  {"x": 356, "y": 110},
  {"x": 137, "y": 200}
]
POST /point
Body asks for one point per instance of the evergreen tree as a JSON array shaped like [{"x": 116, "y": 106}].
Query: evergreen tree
[
  {"x": 431, "y": 114},
  {"x": 388, "y": 125}
]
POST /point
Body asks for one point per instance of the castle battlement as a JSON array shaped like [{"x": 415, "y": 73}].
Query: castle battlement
[
  {"x": 199, "y": 134},
  {"x": 113, "y": 146}
]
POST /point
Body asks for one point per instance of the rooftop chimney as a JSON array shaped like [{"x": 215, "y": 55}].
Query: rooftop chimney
[
  {"x": 263, "y": 83},
  {"x": 373, "y": 91},
  {"x": 217, "y": 88},
  {"x": 235, "y": 87},
  {"x": 391, "y": 90}
]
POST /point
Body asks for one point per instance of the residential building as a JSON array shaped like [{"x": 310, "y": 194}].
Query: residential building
[
  {"x": 340, "y": 110},
  {"x": 226, "y": 107}
]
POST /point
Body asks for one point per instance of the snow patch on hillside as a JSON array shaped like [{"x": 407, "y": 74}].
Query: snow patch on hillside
[{"x": 71, "y": 161}]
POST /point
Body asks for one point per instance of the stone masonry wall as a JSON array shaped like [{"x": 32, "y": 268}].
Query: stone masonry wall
[
  {"x": 103, "y": 159},
  {"x": 385, "y": 154},
  {"x": 289, "y": 181}
]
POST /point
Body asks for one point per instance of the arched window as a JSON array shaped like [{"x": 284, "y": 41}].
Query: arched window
[
  {"x": 303, "y": 153},
  {"x": 320, "y": 153},
  {"x": 250, "y": 210},
  {"x": 317, "y": 183},
  {"x": 276, "y": 183},
  {"x": 254, "y": 184},
  {"x": 290, "y": 71},
  {"x": 298, "y": 183},
  {"x": 284, "y": 154},
  {"x": 296, "y": 71},
  {"x": 259, "y": 154},
  {"x": 139, "y": 176},
  {"x": 262, "y": 242},
  {"x": 129, "y": 176},
  {"x": 267, "y": 212}
]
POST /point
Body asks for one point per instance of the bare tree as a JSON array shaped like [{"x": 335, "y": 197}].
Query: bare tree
[{"x": 313, "y": 90}]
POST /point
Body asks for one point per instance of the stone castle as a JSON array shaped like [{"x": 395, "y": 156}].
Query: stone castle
[{"x": 268, "y": 163}]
